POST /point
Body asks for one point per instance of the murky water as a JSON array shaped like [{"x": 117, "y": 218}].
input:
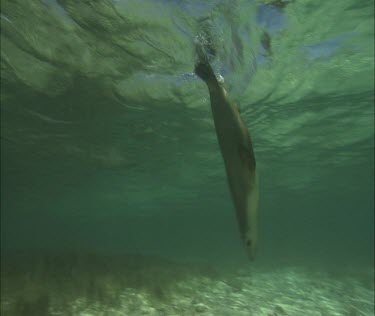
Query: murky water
[{"x": 108, "y": 148}]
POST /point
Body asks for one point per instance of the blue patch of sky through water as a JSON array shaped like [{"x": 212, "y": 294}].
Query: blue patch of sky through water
[
  {"x": 270, "y": 18},
  {"x": 325, "y": 48}
]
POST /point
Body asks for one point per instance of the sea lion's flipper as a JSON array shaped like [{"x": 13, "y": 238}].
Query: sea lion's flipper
[
  {"x": 204, "y": 70},
  {"x": 205, "y": 51}
]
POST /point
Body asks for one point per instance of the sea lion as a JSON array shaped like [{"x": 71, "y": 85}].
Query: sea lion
[{"x": 237, "y": 152}]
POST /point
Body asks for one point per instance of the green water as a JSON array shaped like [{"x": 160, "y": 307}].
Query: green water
[{"x": 108, "y": 144}]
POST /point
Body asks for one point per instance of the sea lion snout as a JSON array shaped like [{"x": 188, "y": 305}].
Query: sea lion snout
[{"x": 250, "y": 245}]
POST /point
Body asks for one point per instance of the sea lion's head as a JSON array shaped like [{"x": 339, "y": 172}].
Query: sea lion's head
[
  {"x": 250, "y": 242},
  {"x": 250, "y": 231}
]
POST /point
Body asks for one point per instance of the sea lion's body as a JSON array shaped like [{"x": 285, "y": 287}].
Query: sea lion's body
[{"x": 237, "y": 151}]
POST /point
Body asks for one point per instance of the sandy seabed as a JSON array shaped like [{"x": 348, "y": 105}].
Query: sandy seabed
[{"x": 137, "y": 285}]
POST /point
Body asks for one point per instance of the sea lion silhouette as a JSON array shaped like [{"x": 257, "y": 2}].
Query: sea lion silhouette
[{"x": 237, "y": 152}]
